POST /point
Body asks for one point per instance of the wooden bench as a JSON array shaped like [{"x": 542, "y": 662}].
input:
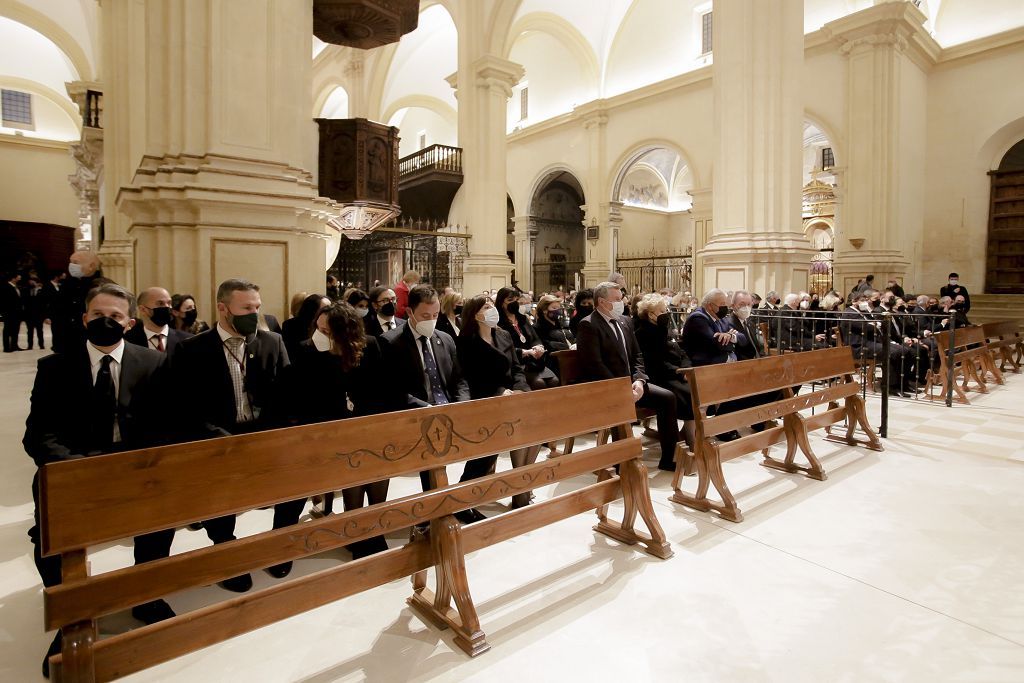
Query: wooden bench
[
  {"x": 1005, "y": 343},
  {"x": 971, "y": 361},
  {"x": 867, "y": 365},
  {"x": 91, "y": 501},
  {"x": 712, "y": 385}
]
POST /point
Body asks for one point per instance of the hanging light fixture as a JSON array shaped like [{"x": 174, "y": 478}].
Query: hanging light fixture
[{"x": 364, "y": 24}]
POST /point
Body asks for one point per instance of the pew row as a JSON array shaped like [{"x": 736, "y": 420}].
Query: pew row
[
  {"x": 96, "y": 500},
  {"x": 970, "y": 360},
  {"x": 829, "y": 371},
  {"x": 1005, "y": 343}
]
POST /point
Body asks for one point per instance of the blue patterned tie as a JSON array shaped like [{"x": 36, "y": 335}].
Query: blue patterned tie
[{"x": 438, "y": 397}]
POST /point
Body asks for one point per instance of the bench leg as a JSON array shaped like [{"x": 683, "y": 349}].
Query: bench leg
[
  {"x": 451, "y": 584},
  {"x": 77, "y": 662},
  {"x": 990, "y": 365},
  {"x": 857, "y": 416},
  {"x": 636, "y": 499},
  {"x": 709, "y": 471},
  {"x": 796, "y": 436}
]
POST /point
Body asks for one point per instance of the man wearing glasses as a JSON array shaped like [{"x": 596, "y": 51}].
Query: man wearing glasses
[{"x": 382, "y": 318}]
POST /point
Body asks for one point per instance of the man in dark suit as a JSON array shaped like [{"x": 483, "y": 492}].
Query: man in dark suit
[
  {"x": 66, "y": 315},
  {"x": 236, "y": 365},
  {"x": 749, "y": 341},
  {"x": 35, "y": 312},
  {"x": 102, "y": 397},
  {"x": 156, "y": 332},
  {"x": 863, "y": 332},
  {"x": 12, "y": 308},
  {"x": 424, "y": 365},
  {"x": 382, "y": 317},
  {"x": 608, "y": 349},
  {"x": 954, "y": 289}
]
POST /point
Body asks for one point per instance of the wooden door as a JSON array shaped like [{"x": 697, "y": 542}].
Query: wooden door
[{"x": 1005, "y": 262}]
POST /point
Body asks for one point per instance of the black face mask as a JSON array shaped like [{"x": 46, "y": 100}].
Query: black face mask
[
  {"x": 513, "y": 307},
  {"x": 457, "y": 310},
  {"x": 933, "y": 309},
  {"x": 584, "y": 310},
  {"x": 104, "y": 331},
  {"x": 553, "y": 316},
  {"x": 160, "y": 315},
  {"x": 874, "y": 303},
  {"x": 388, "y": 309},
  {"x": 245, "y": 324},
  {"x": 190, "y": 317},
  {"x": 664, "y": 320},
  {"x": 901, "y": 309}
]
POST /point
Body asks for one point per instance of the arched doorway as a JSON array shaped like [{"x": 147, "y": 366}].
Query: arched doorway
[
  {"x": 819, "y": 206},
  {"x": 557, "y": 220},
  {"x": 822, "y": 238},
  {"x": 1004, "y": 271}
]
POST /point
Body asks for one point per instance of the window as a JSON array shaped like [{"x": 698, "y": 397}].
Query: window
[
  {"x": 16, "y": 109},
  {"x": 828, "y": 159},
  {"x": 705, "y": 33},
  {"x": 422, "y": 139},
  {"x": 524, "y": 103}
]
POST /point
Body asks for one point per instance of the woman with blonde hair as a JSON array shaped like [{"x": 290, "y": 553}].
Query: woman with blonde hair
[{"x": 451, "y": 309}]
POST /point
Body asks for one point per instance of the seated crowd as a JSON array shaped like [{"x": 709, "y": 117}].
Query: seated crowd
[{"x": 135, "y": 362}]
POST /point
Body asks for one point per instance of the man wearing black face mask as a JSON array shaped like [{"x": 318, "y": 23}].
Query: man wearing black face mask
[
  {"x": 382, "y": 316},
  {"x": 238, "y": 366},
  {"x": 582, "y": 307},
  {"x": 102, "y": 397},
  {"x": 155, "y": 331}
]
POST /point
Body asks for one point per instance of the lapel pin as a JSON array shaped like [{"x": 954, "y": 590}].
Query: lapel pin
[{"x": 252, "y": 355}]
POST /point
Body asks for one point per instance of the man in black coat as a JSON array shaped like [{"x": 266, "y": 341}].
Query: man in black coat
[
  {"x": 382, "y": 319},
  {"x": 749, "y": 341},
  {"x": 953, "y": 289},
  {"x": 102, "y": 397},
  {"x": 155, "y": 331},
  {"x": 608, "y": 349},
  {"x": 66, "y": 315},
  {"x": 12, "y": 308},
  {"x": 864, "y": 334},
  {"x": 226, "y": 380}
]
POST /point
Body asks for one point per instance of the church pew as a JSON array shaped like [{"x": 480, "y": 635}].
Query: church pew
[
  {"x": 712, "y": 385},
  {"x": 1005, "y": 343},
  {"x": 96, "y": 500},
  {"x": 971, "y": 361}
]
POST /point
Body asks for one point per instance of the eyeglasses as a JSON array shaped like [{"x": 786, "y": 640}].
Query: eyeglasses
[{"x": 393, "y": 299}]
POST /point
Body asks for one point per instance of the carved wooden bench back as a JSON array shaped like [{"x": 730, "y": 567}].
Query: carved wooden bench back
[
  {"x": 95, "y": 500},
  {"x": 1005, "y": 342}
]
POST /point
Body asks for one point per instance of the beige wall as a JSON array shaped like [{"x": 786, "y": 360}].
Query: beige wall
[{"x": 34, "y": 183}]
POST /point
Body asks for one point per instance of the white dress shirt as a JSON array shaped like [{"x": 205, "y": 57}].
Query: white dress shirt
[
  {"x": 419, "y": 347},
  {"x": 95, "y": 359},
  {"x": 388, "y": 324},
  {"x": 150, "y": 334}
]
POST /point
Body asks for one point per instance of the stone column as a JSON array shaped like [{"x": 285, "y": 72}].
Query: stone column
[
  {"x": 526, "y": 244},
  {"x": 88, "y": 156},
  {"x": 211, "y": 145},
  {"x": 757, "y": 241},
  {"x": 886, "y": 50},
  {"x": 703, "y": 226},
  {"x": 600, "y": 253}
]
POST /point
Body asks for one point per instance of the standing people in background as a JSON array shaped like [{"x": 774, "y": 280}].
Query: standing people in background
[
  {"x": 488, "y": 358},
  {"x": 529, "y": 349},
  {"x": 12, "y": 308},
  {"x": 619, "y": 280},
  {"x": 608, "y": 349},
  {"x": 583, "y": 305},
  {"x": 451, "y": 311},
  {"x": 334, "y": 292},
  {"x": 409, "y": 280},
  {"x": 893, "y": 286},
  {"x": 35, "y": 310},
  {"x": 185, "y": 313},
  {"x": 382, "y": 318},
  {"x": 236, "y": 365},
  {"x": 156, "y": 332},
  {"x": 299, "y": 328},
  {"x": 84, "y": 269},
  {"x": 336, "y": 374},
  {"x": 102, "y": 397},
  {"x": 953, "y": 289}
]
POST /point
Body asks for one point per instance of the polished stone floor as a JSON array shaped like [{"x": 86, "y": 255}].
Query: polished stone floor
[{"x": 903, "y": 566}]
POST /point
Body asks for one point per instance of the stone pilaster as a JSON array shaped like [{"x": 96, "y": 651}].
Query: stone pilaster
[
  {"x": 88, "y": 156},
  {"x": 526, "y": 244}
]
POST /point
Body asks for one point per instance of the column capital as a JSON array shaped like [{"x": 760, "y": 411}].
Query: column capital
[
  {"x": 497, "y": 74},
  {"x": 899, "y": 25},
  {"x": 592, "y": 114}
]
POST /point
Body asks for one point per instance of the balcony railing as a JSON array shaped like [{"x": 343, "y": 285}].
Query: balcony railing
[
  {"x": 92, "y": 116},
  {"x": 436, "y": 158}
]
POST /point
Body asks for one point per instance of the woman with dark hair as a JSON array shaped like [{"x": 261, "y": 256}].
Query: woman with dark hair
[
  {"x": 582, "y": 307},
  {"x": 529, "y": 349},
  {"x": 357, "y": 299},
  {"x": 335, "y": 374},
  {"x": 299, "y": 328},
  {"x": 184, "y": 314},
  {"x": 488, "y": 360}
]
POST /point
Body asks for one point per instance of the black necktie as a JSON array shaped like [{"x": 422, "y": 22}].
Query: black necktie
[
  {"x": 104, "y": 406},
  {"x": 437, "y": 395},
  {"x": 619, "y": 338}
]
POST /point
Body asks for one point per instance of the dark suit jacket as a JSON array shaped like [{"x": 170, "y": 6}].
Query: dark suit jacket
[
  {"x": 490, "y": 370},
  {"x": 445, "y": 325},
  {"x": 204, "y": 387},
  {"x": 373, "y": 327},
  {"x": 66, "y": 317},
  {"x": 662, "y": 355},
  {"x": 699, "y": 341},
  {"x": 749, "y": 341},
  {"x": 272, "y": 324},
  {"x": 954, "y": 292},
  {"x": 294, "y": 332},
  {"x": 857, "y": 329},
  {"x": 403, "y": 356},
  {"x": 11, "y": 304},
  {"x": 58, "y": 425},
  {"x": 554, "y": 337},
  {"x": 137, "y": 336},
  {"x": 601, "y": 353}
]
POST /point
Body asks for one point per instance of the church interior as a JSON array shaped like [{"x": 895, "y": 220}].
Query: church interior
[{"x": 679, "y": 148}]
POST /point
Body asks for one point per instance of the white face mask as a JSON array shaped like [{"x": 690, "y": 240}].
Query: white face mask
[
  {"x": 426, "y": 327},
  {"x": 743, "y": 312},
  {"x": 864, "y": 306},
  {"x": 75, "y": 270},
  {"x": 361, "y": 312},
  {"x": 804, "y": 305},
  {"x": 491, "y": 317},
  {"x": 952, "y": 283},
  {"x": 618, "y": 307},
  {"x": 321, "y": 341}
]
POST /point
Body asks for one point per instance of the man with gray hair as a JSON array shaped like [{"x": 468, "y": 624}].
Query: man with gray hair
[{"x": 608, "y": 349}]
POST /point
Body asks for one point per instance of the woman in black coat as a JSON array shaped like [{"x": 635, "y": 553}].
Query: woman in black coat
[
  {"x": 664, "y": 360},
  {"x": 336, "y": 374},
  {"x": 582, "y": 307},
  {"x": 529, "y": 350},
  {"x": 298, "y": 329},
  {"x": 488, "y": 360}
]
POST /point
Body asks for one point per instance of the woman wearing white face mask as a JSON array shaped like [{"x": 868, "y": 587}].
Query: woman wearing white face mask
[
  {"x": 336, "y": 375},
  {"x": 488, "y": 359},
  {"x": 359, "y": 300}
]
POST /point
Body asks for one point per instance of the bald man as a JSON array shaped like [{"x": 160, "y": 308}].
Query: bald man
[
  {"x": 155, "y": 331},
  {"x": 69, "y": 307}
]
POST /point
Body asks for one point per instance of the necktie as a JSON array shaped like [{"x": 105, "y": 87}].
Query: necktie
[
  {"x": 391, "y": 325},
  {"x": 159, "y": 339},
  {"x": 238, "y": 378},
  {"x": 437, "y": 395},
  {"x": 104, "y": 405},
  {"x": 618, "y": 336}
]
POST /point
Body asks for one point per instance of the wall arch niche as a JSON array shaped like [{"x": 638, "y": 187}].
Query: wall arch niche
[
  {"x": 1004, "y": 267},
  {"x": 655, "y": 178},
  {"x": 819, "y": 205},
  {"x": 557, "y": 220},
  {"x": 336, "y": 105}
]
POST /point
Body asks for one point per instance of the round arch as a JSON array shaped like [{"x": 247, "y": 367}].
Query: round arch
[
  {"x": 439, "y": 107},
  {"x": 821, "y": 124},
  {"x": 321, "y": 99},
  {"x": 544, "y": 177},
  {"x": 48, "y": 94},
  {"x": 41, "y": 23},
  {"x": 624, "y": 162},
  {"x": 561, "y": 30},
  {"x": 501, "y": 26},
  {"x": 999, "y": 143}
]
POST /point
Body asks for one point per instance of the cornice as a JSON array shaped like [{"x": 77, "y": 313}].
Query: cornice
[
  {"x": 27, "y": 141},
  {"x": 896, "y": 24},
  {"x": 1014, "y": 38}
]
